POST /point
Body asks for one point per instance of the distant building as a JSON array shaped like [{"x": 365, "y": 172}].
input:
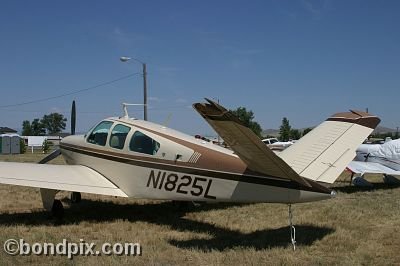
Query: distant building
[
  {"x": 57, "y": 137},
  {"x": 7, "y": 130}
]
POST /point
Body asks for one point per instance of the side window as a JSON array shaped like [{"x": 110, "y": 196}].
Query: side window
[
  {"x": 118, "y": 136},
  {"x": 99, "y": 134},
  {"x": 143, "y": 144}
]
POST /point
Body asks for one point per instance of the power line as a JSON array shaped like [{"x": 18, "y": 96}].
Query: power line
[
  {"x": 70, "y": 93},
  {"x": 65, "y": 110},
  {"x": 171, "y": 107}
]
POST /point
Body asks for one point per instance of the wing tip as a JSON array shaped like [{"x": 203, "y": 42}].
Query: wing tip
[
  {"x": 210, "y": 109},
  {"x": 357, "y": 117}
]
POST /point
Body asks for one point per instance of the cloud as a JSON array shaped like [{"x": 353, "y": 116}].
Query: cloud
[
  {"x": 310, "y": 7},
  {"x": 117, "y": 31},
  {"x": 154, "y": 99},
  {"x": 169, "y": 70},
  {"x": 317, "y": 7},
  {"x": 287, "y": 13},
  {"x": 242, "y": 57},
  {"x": 243, "y": 51},
  {"x": 125, "y": 39},
  {"x": 181, "y": 100},
  {"x": 120, "y": 37},
  {"x": 208, "y": 37},
  {"x": 56, "y": 110}
]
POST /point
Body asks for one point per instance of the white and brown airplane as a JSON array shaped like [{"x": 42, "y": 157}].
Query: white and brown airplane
[{"x": 127, "y": 157}]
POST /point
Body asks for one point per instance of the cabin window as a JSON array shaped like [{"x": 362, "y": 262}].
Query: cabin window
[
  {"x": 118, "y": 136},
  {"x": 100, "y": 133},
  {"x": 143, "y": 144}
]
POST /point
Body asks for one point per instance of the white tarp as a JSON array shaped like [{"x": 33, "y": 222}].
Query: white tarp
[
  {"x": 390, "y": 150},
  {"x": 370, "y": 168}
]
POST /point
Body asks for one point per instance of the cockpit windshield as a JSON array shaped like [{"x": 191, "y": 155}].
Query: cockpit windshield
[{"x": 99, "y": 134}]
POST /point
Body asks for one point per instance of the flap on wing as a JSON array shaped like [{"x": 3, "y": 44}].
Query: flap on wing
[
  {"x": 370, "y": 168},
  {"x": 245, "y": 143},
  {"x": 60, "y": 177}
]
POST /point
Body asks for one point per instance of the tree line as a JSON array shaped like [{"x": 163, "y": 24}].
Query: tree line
[
  {"x": 49, "y": 124},
  {"x": 286, "y": 132},
  {"x": 392, "y": 135},
  {"x": 55, "y": 122}
]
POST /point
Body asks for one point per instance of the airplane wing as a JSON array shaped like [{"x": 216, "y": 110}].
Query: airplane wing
[
  {"x": 59, "y": 177},
  {"x": 370, "y": 168},
  {"x": 245, "y": 143}
]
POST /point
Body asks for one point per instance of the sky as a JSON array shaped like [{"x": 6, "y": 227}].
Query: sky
[{"x": 300, "y": 59}]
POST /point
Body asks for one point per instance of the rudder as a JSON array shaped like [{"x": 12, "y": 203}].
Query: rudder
[{"x": 324, "y": 152}]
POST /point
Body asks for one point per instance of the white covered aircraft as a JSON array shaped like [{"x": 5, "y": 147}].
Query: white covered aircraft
[
  {"x": 376, "y": 159},
  {"x": 127, "y": 157}
]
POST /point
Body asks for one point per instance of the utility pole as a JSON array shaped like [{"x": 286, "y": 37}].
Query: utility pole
[
  {"x": 217, "y": 133},
  {"x": 126, "y": 59},
  {"x": 144, "y": 92}
]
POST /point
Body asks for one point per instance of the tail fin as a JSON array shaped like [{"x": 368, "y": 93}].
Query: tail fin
[{"x": 324, "y": 152}]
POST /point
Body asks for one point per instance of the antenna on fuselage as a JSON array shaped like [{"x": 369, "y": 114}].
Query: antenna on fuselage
[
  {"x": 167, "y": 120},
  {"x": 125, "y": 108}
]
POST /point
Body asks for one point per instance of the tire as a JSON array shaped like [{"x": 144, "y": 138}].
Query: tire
[{"x": 76, "y": 197}]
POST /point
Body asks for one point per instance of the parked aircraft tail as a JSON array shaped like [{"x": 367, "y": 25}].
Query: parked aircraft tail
[
  {"x": 324, "y": 152},
  {"x": 321, "y": 155}
]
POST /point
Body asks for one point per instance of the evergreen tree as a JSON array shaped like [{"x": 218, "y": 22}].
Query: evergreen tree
[
  {"x": 305, "y": 131},
  {"x": 295, "y": 134},
  {"x": 284, "y": 130}
]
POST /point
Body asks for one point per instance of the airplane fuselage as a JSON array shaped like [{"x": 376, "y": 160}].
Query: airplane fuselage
[{"x": 177, "y": 167}]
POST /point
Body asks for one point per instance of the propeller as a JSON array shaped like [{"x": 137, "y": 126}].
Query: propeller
[
  {"x": 57, "y": 152},
  {"x": 73, "y": 118},
  {"x": 50, "y": 157}
]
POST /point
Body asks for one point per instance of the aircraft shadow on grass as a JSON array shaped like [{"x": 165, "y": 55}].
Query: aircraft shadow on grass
[
  {"x": 166, "y": 213},
  {"x": 349, "y": 189}
]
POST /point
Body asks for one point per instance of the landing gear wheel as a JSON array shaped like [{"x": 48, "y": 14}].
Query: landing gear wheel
[
  {"x": 57, "y": 210},
  {"x": 76, "y": 197}
]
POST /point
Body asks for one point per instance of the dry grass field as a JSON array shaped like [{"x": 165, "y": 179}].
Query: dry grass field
[{"x": 358, "y": 227}]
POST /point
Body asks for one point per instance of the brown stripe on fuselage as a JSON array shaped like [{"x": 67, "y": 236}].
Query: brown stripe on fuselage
[
  {"x": 180, "y": 168},
  {"x": 148, "y": 159}
]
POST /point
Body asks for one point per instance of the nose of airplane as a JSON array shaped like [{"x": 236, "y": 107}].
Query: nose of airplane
[{"x": 73, "y": 139}]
